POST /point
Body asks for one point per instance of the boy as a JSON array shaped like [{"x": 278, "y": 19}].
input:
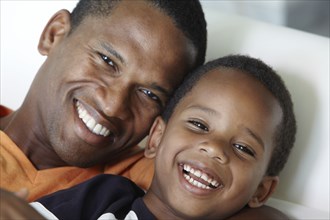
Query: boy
[{"x": 218, "y": 147}]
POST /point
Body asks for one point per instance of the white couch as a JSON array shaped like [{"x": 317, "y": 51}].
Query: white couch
[{"x": 301, "y": 58}]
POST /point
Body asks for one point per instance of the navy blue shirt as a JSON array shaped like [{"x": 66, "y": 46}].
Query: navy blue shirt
[{"x": 109, "y": 196}]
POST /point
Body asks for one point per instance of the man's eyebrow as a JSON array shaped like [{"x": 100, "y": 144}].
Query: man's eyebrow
[
  {"x": 161, "y": 90},
  {"x": 255, "y": 136},
  {"x": 112, "y": 51}
]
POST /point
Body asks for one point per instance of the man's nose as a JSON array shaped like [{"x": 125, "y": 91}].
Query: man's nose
[
  {"x": 216, "y": 150},
  {"x": 116, "y": 102}
]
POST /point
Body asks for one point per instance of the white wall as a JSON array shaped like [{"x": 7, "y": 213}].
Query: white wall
[
  {"x": 269, "y": 11},
  {"x": 307, "y": 15},
  {"x": 21, "y": 25}
]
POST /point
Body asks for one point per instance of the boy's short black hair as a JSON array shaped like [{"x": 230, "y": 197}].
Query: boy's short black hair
[
  {"x": 284, "y": 136},
  {"x": 187, "y": 15}
]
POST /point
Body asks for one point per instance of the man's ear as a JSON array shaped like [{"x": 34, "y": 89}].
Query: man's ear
[
  {"x": 155, "y": 136},
  {"x": 57, "y": 27},
  {"x": 265, "y": 189}
]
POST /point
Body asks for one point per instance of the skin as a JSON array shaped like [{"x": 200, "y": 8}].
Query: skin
[
  {"x": 15, "y": 207},
  {"x": 228, "y": 136},
  {"x": 121, "y": 70}
]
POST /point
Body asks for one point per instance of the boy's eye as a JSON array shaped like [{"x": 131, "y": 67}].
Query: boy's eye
[
  {"x": 244, "y": 149},
  {"x": 199, "y": 125},
  {"x": 107, "y": 60},
  {"x": 151, "y": 95}
]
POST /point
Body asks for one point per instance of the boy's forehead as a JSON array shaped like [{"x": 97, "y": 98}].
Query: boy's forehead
[
  {"x": 235, "y": 89},
  {"x": 230, "y": 77},
  {"x": 230, "y": 94}
]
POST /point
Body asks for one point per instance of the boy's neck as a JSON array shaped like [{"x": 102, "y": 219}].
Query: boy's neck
[{"x": 157, "y": 206}]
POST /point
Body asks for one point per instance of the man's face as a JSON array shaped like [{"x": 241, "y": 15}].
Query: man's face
[
  {"x": 213, "y": 153},
  {"x": 102, "y": 86}
]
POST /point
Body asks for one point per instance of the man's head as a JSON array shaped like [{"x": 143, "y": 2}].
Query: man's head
[
  {"x": 215, "y": 145},
  {"x": 186, "y": 15},
  {"x": 108, "y": 74}
]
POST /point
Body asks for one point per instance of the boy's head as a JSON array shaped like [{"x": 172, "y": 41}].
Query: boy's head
[{"x": 223, "y": 139}]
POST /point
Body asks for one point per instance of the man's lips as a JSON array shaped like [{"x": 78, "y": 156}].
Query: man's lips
[
  {"x": 90, "y": 122},
  {"x": 199, "y": 178}
]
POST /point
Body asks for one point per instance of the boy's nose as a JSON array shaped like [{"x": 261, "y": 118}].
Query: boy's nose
[{"x": 214, "y": 151}]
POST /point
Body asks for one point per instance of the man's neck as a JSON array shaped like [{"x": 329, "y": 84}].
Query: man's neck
[{"x": 19, "y": 126}]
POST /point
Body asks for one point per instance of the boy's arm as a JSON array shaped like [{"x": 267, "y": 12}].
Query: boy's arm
[
  {"x": 13, "y": 207},
  {"x": 263, "y": 212}
]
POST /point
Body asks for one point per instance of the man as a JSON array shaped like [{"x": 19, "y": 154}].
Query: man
[{"x": 110, "y": 69}]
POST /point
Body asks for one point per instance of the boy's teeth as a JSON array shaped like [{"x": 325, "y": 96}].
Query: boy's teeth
[
  {"x": 212, "y": 183},
  {"x": 195, "y": 182},
  {"x": 90, "y": 122}
]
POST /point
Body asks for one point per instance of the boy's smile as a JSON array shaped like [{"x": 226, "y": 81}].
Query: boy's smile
[
  {"x": 214, "y": 148},
  {"x": 199, "y": 178}
]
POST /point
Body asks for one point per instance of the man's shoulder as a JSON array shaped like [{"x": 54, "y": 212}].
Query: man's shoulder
[{"x": 4, "y": 111}]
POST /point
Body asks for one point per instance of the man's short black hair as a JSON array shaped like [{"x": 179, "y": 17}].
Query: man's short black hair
[
  {"x": 284, "y": 136},
  {"x": 187, "y": 15}
]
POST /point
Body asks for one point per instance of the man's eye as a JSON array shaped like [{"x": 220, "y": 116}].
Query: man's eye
[
  {"x": 244, "y": 149},
  {"x": 151, "y": 95},
  {"x": 107, "y": 60},
  {"x": 199, "y": 125}
]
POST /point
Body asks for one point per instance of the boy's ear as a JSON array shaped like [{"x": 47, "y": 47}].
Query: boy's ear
[
  {"x": 265, "y": 189},
  {"x": 155, "y": 136},
  {"x": 57, "y": 27}
]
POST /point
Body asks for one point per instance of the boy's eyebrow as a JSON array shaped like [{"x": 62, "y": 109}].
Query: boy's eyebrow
[
  {"x": 213, "y": 112},
  {"x": 204, "y": 109},
  {"x": 255, "y": 136},
  {"x": 112, "y": 51}
]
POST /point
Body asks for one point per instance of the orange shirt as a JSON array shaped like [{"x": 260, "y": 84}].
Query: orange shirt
[{"x": 16, "y": 171}]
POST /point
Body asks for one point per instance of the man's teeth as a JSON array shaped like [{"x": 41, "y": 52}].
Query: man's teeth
[
  {"x": 90, "y": 122},
  {"x": 212, "y": 183}
]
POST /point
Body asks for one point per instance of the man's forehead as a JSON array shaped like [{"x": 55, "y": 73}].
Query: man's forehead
[
  {"x": 137, "y": 8},
  {"x": 145, "y": 39}
]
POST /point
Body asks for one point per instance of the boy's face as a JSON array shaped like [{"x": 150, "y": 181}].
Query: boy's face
[
  {"x": 213, "y": 153},
  {"x": 102, "y": 86}
]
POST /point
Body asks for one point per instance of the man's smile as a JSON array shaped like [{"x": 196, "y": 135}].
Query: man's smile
[{"x": 90, "y": 122}]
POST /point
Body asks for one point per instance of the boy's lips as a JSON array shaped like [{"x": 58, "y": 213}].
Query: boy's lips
[{"x": 200, "y": 178}]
